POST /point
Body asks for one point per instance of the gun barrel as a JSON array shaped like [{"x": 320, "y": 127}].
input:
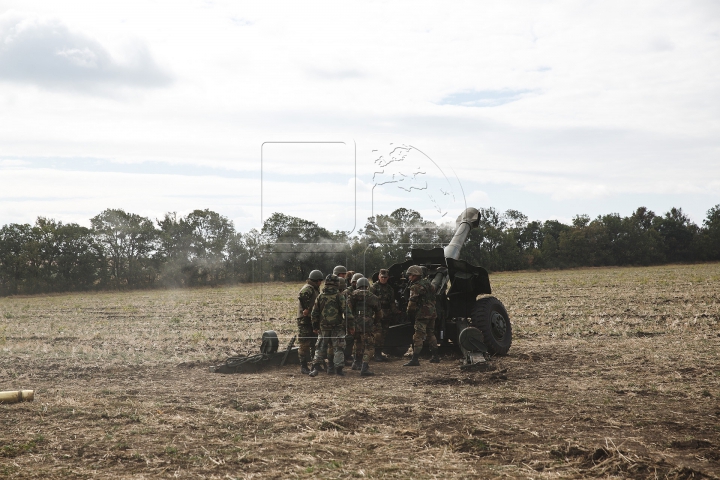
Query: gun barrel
[
  {"x": 467, "y": 220},
  {"x": 439, "y": 280}
]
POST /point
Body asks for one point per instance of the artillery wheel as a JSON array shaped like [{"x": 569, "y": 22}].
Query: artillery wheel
[{"x": 490, "y": 316}]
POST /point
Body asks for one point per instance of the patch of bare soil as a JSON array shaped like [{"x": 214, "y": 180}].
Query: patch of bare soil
[{"x": 613, "y": 373}]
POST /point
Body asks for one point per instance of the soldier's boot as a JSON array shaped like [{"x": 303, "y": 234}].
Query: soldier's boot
[
  {"x": 365, "y": 370},
  {"x": 379, "y": 356},
  {"x": 413, "y": 361},
  {"x": 356, "y": 364},
  {"x": 304, "y": 368},
  {"x": 339, "y": 372},
  {"x": 315, "y": 370},
  {"x": 331, "y": 368},
  {"x": 435, "y": 358},
  {"x": 350, "y": 361}
]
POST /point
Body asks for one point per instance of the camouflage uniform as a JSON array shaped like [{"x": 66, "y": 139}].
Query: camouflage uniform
[
  {"x": 331, "y": 349},
  {"x": 357, "y": 336},
  {"x": 386, "y": 295},
  {"x": 365, "y": 307},
  {"x": 422, "y": 304},
  {"x": 327, "y": 317},
  {"x": 306, "y": 299}
]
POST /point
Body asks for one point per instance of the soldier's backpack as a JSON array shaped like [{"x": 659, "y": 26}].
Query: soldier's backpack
[{"x": 333, "y": 316}]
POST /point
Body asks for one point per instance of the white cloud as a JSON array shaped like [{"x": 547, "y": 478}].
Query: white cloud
[
  {"x": 476, "y": 198},
  {"x": 48, "y": 54}
]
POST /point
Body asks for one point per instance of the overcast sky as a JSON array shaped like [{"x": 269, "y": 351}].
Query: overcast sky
[{"x": 550, "y": 108}]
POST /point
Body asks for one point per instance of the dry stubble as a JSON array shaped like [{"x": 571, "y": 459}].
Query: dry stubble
[{"x": 613, "y": 372}]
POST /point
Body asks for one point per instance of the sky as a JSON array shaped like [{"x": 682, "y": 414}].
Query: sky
[{"x": 335, "y": 111}]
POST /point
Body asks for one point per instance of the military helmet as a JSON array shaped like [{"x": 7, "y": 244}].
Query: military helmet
[
  {"x": 356, "y": 277},
  {"x": 339, "y": 269},
  {"x": 332, "y": 280},
  {"x": 363, "y": 283},
  {"x": 415, "y": 270},
  {"x": 316, "y": 275}
]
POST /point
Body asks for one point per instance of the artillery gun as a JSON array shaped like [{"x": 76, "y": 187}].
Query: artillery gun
[{"x": 467, "y": 316}]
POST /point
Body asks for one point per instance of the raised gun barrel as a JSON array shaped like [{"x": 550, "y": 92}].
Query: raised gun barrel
[{"x": 467, "y": 220}]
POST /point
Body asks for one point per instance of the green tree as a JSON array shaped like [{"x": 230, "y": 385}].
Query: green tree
[
  {"x": 678, "y": 235},
  {"x": 237, "y": 264},
  {"x": 709, "y": 239},
  {"x": 79, "y": 259},
  {"x": 209, "y": 236},
  {"x": 577, "y": 246},
  {"x": 549, "y": 250},
  {"x": 712, "y": 226},
  {"x": 128, "y": 242},
  {"x": 295, "y": 246},
  {"x": 63, "y": 256},
  {"x": 195, "y": 249},
  {"x": 49, "y": 256},
  {"x": 643, "y": 244},
  {"x": 388, "y": 239},
  {"x": 13, "y": 267},
  {"x": 483, "y": 242}
]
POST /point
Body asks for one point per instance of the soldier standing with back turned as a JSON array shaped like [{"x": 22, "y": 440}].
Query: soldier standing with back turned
[
  {"x": 331, "y": 318},
  {"x": 422, "y": 306},
  {"x": 341, "y": 272},
  {"x": 365, "y": 307},
  {"x": 357, "y": 336},
  {"x": 306, "y": 299},
  {"x": 385, "y": 292}
]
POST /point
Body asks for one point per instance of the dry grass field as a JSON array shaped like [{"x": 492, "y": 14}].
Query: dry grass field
[{"x": 613, "y": 373}]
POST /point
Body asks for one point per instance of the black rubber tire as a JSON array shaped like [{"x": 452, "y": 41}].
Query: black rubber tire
[{"x": 489, "y": 315}]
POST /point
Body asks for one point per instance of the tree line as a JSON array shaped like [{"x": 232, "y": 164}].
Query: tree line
[{"x": 125, "y": 250}]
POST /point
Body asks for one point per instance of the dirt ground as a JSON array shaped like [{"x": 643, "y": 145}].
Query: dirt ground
[{"x": 612, "y": 373}]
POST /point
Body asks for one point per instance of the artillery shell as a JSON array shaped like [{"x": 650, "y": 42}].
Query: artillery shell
[{"x": 16, "y": 396}]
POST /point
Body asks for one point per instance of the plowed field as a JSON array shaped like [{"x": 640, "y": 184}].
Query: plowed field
[{"x": 613, "y": 373}]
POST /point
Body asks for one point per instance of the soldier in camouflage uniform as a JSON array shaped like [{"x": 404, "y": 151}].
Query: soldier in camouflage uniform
[
  {"x": 385, "y": 292},
  {"x": 365, "y": 307},
  {"x": 421, "y": 305},
  {"x": 357, "y": 340},
  {"x": 353, "y": 281},
  {"x": 331, "y": 318},
  {"x": 306, "y": 299},
  {"x": 341, "y": 272}
]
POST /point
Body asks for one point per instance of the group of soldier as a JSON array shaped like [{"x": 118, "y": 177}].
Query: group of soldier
[{"x": 349, "y": 304}]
